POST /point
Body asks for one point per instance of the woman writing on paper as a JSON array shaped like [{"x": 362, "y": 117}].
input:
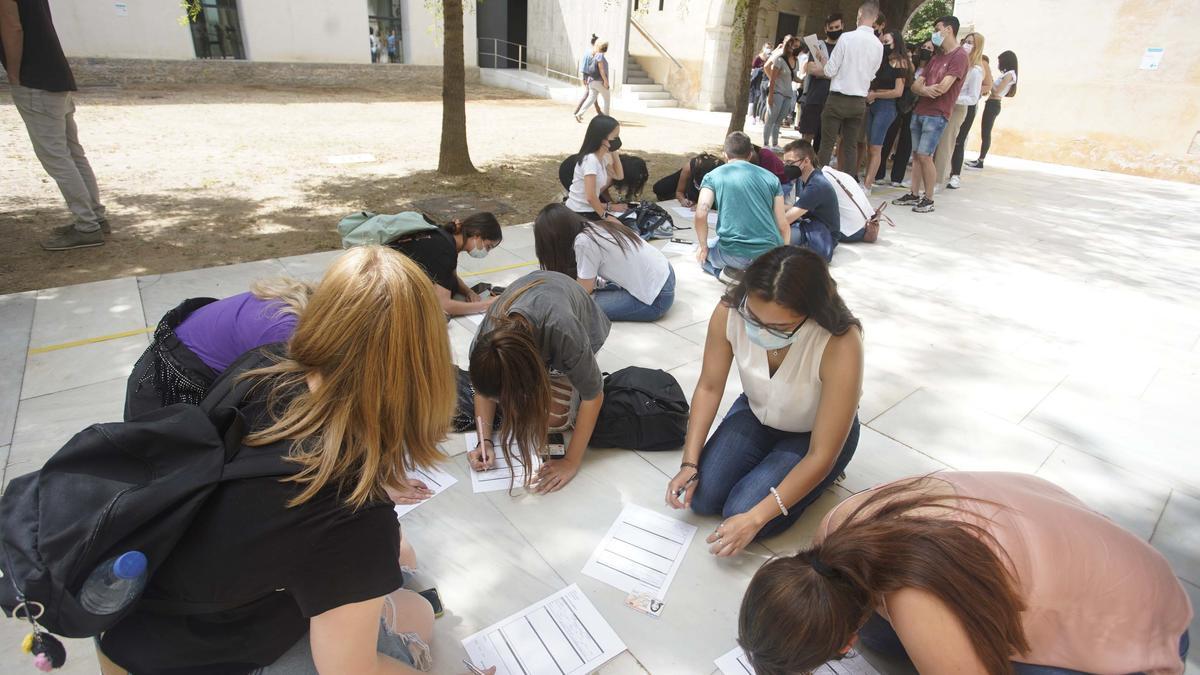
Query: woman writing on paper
[
  {"x": 799, "y": 352},
  {"x": 972, "y": 574},
  {"x": 535, "y": 358},
  {"x": 303, "y": 574}
]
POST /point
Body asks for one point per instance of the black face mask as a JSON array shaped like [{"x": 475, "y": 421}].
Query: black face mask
[
  {"x": 887, "y": 51},
  {"x": 926, "y": 55},
  {"x": 614, "y": 144},
  {"x": 878, "y": 33},
  {"x": 791, "y": 171},
  {"x": 796, "y": 51},
  {"x": 833, "y": 34}
]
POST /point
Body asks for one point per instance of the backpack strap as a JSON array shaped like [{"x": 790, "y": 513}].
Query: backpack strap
[{"x": 223, "y": 405}]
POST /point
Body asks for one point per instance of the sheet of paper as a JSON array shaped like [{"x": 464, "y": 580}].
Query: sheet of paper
[
  {"x": 735, "y": 663},
  {"x": 475, "y": 319},
  {"x": 561, "y": 635},
  {"x": 437, "y": 481},
  {"x": 676, "y": 248},
  {"x": 642, "y": 550},
  {"x": 1152, "y": 58},
  {"x": 817, "y": 47},
  {"x": 688, "y": 216},
  {"x": 499, "y": 477}
]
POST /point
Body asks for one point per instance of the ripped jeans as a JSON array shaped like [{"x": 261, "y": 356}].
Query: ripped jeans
[{"x": 407, "y": 648}]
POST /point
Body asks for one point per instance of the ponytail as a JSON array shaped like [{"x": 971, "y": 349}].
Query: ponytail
[
  {"x": 801, "y": 611},
  {"x": 507, "y": 365}
]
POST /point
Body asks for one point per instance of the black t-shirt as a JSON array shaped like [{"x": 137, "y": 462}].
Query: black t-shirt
[
  {"x": 276, "y": 566},
  {"x": 43, "y": 64},
  {"x": 435, "y": 251},
  {"x": 885, "y": 77}
]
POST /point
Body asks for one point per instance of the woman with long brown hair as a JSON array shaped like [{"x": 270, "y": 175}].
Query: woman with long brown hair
[
  {"x": 993, "y": 573},
  {"x": 302, "y": 574},
  {"x": 799, "y": 352},
  {"x": 629, "y": 279},
  {"x": 535, "y": 359}
]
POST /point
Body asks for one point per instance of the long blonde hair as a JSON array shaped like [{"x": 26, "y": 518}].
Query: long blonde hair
[
  {"x": 374, "y": 333},
  {"x": 976, "y": 51},
  {"x": 292, "y": 293}
]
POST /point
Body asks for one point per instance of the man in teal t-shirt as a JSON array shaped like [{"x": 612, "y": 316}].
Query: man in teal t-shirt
[{"x": 750, "y": 210}]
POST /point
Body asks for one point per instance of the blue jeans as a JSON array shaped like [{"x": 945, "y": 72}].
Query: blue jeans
[
  {"x": 853, "y": 238},
  {"x": 878, "y": 636},
  {"x": 926, "y": 132},
  {"x": 814, "y": 236},
  {"x": 719, "y": 260},
  {"x": 745, "y": 458},
  {"x": 619, "y": 304},
  {"x": 883, "y": 113}
]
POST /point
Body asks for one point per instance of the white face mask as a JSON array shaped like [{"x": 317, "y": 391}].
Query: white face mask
[
  {"x": 967, "y": 47},
  {"x": 478, "y": 252}
]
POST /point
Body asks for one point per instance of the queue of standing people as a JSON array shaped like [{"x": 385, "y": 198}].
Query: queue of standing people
[{"x": 873, "y": 98}]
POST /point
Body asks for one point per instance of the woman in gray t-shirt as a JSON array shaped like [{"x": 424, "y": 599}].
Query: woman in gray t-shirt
[
  {"x": 782, "y": 72},
  {"x": 535, "y": 358}
]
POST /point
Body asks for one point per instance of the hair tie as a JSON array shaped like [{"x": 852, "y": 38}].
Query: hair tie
[{"x": 822, "y": 569}]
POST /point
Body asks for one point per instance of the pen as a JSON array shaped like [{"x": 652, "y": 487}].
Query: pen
[
  {"x": 471, "y": 666},
  {"x": 479, "y": 429},
  {"x": 679, "y": 493}
]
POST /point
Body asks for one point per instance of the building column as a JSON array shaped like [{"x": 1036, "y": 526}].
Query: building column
[{"x": 717, "y": 44}]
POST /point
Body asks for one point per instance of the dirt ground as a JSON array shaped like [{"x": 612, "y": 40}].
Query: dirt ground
[{"x": 204, "y": 176}]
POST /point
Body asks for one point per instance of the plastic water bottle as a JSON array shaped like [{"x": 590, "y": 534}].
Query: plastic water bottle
[{"x": 114, "y": 583}]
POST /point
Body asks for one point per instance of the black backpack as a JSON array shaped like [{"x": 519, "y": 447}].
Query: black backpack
[
  {"x": 643, "y": 409},
  {"x": 118, "y": 487},
  {"x": 648, "y": 220}
]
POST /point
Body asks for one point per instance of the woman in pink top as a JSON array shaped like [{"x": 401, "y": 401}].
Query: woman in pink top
[{"x": 970, "y": 573}]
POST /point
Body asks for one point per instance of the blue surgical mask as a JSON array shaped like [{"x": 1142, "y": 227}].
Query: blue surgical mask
[
  {"x": 478, "y": 252},
  {"x": 766, "y": 340},
  {"x": 936, "y": 39}
]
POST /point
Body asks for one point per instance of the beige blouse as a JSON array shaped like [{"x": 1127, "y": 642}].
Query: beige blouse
[{"x": 1099, "y": 599}]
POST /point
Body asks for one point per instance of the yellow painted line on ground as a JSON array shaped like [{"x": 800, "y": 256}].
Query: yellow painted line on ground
[
  {"x": 499, "y": 269},
  {"x": 89, "y": 341},
  {"x": 141, "y": 331}
]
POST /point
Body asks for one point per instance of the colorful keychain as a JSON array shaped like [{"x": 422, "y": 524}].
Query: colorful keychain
[{"x": 48, "y": 652}]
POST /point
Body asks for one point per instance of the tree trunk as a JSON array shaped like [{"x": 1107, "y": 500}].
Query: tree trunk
[
  {"x": 737, "y": 121},
  {"x": 453, "y": 157}
]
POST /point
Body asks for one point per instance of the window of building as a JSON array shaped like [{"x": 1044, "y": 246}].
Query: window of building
[
  {"x": 384, "y": 18},
  {"x": 217, "y": 32}
]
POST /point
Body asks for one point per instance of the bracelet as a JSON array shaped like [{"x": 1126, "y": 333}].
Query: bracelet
[
  {"x": 779, "y": 501},
  {"x": 688, "y": 464},
  {"x": 484, "y": 440}
]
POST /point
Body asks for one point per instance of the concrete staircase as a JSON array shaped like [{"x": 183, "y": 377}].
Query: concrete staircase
[{"x": 641, "y": 91}]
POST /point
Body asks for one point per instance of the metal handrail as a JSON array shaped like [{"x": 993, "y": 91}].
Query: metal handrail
[
  {"x": 524, "y": 60},
  {"x": 654, "y": 43}
]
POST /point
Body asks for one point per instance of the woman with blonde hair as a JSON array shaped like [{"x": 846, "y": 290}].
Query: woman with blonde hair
[
  {"x": 197, "y": 340},
  {"x": 302, "y": 574},
  {"x": 977, "y": 85}
]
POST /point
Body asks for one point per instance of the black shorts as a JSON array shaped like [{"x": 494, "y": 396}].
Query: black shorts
[{"x": 810, "y": 119}]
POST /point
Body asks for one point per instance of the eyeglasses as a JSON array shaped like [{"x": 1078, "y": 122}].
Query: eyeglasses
[{"x": 746, "y": 314}]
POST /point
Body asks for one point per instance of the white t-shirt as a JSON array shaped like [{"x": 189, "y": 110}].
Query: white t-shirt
[
  {"x": 972, "y": 87},
  {"x": 577, "y": 196},
  {"x": 851, "y": 215},
  {"x": 1001, "y": 88},
  {"x": 641, "y": 270}
]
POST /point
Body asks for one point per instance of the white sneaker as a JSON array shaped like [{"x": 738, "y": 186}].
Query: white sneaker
[
  {"x": 866, "y": 189},
  {"x": 906, "y": 183},
  {"x": 954, "y": 183}
]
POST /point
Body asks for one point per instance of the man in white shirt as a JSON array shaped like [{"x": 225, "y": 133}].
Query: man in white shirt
[{"x": 851, "y": 67}]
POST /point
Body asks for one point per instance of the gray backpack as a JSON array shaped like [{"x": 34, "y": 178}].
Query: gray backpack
[{"x": 366, "y": 227}]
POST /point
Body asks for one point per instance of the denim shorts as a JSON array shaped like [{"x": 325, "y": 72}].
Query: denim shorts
[
  {"x": 926, "y": 132},
  {"x": 882, "y": 113}
]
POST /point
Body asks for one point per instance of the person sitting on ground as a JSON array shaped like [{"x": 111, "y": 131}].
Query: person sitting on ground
[
  {"x": 969, "y": 572},
  {"x": 684, "y": 184},
  {"x": 436, "y": 251},
  {"x": 196, "y": 341},
  {"x": 799, "y": 352},
  {"x": 628, "y": 188},
  {"x": 535, "y": 359},
  {"x": 629, "y": 279},
  {"x": 303, "y": 574},
  {"x": 597, "y": 164},
  {"x": 749, "y": 202},
  {"x": 854, "y": 206},
  {"x": 814, "y": 217},
  {"x": 768, "y": 160}
]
